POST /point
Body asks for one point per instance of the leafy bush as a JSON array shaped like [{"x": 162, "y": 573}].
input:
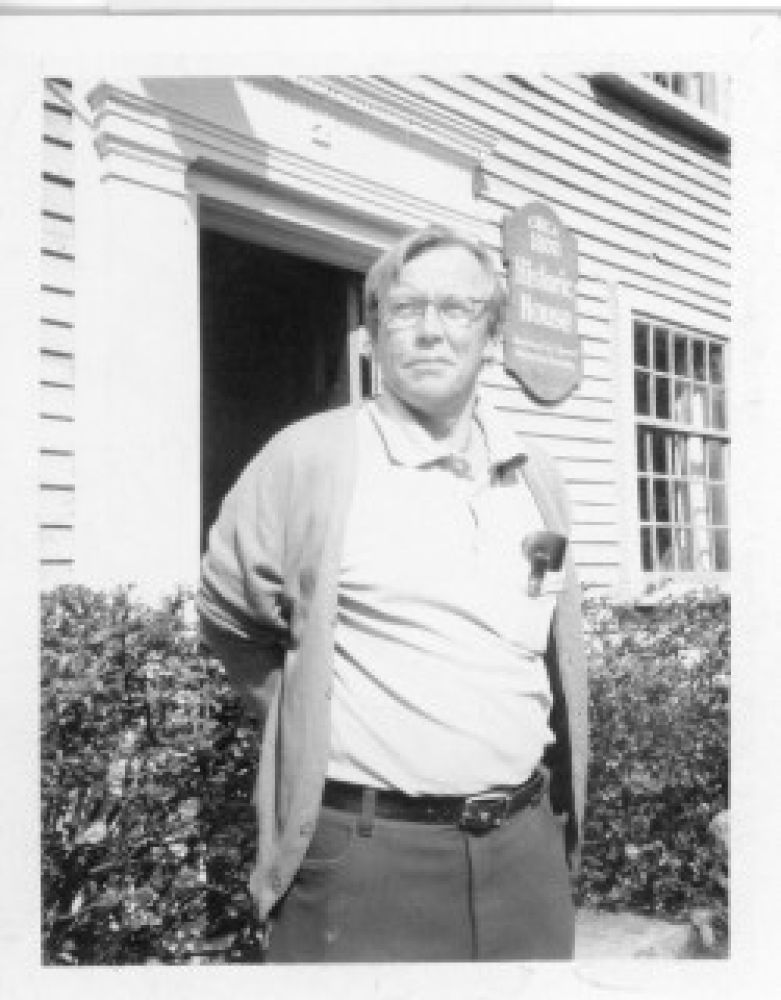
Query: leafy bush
[
  {"x": 147, "y": 774},
  {"x": 658, "y": 776},
  {"x": 148, "y": 769}
]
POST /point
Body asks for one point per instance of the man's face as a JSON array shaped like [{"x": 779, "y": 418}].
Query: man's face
[{"x": 429, "y": 358}]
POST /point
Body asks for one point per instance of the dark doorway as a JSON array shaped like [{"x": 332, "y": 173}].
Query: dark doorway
[{"x": 274, "y": 348}]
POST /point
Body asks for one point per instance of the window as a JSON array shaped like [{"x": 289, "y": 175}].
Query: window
[
  {"x": 705, "y": 90},
  {"x": 682, "y": 448}
]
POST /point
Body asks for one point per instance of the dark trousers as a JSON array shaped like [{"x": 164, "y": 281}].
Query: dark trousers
[{"x": 403, "y": 891}]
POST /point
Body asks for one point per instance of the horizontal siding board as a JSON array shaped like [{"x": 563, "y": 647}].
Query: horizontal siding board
[
  {"x": 669, "y": 223},
  {"x": 57, "y": 123},
  {"x": 56, "y": 434},
  {"x": 57, "y": 234},
  {"x": 606, "y": 553},
  {"x": 58, "y": 273},
  {"x": 603, "y": 534},
  {"x": 523, "y": 124},
  {"x": 55, "y": 337},
  {"x": 57, "y": 307},
  {"x": 584, "y": 496},
  {"x": 596, "y": 513},
  {"x": 56, "y": 543},
  {"x": 590, "y": 218},
  {"x": 57, "y": 368},
  {"x": 58, "y": 198},
  {"x": 575, "y": 471},
  {"x": 57, "y": 93},
  {"x": 56, "y": 401},
  {"x": 57, "y": 160},
  {"x": 575, "y": 93},
  {"x": 57, "y": 469},
  {"x": 57, "y": 506},
  {"x": 626, "y": 158},
  {"x": 595, "y": 579}
]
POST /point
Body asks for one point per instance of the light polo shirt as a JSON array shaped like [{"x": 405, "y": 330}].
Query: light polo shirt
[{"x": 439, "y": 680}]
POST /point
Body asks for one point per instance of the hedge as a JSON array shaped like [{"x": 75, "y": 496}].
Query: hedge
[{"x": 148, "y": 770}]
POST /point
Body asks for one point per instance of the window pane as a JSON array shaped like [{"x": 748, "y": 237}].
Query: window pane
[
  {"x": 698, "y": 359},
  {"x": 716, "y": 460},
  {"x": 660, "y": 451},
  {"x": 697, "y": 457},
  {"x": 681, "y": 356},
  {"x": 664, "y": 548},
  {"x": 661, "y": 350},
  {"x": 661, "y": 500},
  {"x": 718, "y": 409},
  {"x": 643, "y": 499},
  {"x": 717, "y": 505},
  {"x": 643, "y": 441},
  {"x": 683, "y": 402},
  {"x": 716, "y": 357},
  {"x": 683, "y": 544},
  {"x": 700, "y": 406},
  {"x": 680, "y": 455},
  {"x": 662, "y": 398},
  {"x": 683, "y": 514},
  {"x": 642, "y": 393},
  {"x": 720, "y": 550},
  {"x": 646, "y": 548},
  {"x": 641, "y": 345}
]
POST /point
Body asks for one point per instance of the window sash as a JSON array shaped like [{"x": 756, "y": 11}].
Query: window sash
[{"x": 681, "y": 448}]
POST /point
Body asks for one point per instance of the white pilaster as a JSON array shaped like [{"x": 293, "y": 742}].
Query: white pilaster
[{"x": 138, "y": 368}]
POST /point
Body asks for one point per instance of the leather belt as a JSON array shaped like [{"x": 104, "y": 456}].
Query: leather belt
[{"x": 474, "y": 813}]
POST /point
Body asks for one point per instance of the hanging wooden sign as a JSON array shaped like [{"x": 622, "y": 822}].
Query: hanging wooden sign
[{"x": 540, "y": 330}]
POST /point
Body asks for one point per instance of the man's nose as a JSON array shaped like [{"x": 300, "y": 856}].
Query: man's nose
[{"x": 430, "y": 325}]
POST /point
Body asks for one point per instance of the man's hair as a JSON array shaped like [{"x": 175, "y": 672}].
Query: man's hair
[{"x": 386, "y": 270}]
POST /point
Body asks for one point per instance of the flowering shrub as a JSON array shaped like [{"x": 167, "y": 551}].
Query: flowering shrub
[
  {"x": 148, "y": 769},
  {"x": 659, "y": 767}
]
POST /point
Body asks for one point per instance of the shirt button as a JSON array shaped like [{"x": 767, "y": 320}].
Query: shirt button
[
  {"x": 276, "y": 880},
  {"x": 307, "y": 829}
]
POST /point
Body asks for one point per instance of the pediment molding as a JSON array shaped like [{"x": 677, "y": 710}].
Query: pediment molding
[{"x": 395, "y": 107}]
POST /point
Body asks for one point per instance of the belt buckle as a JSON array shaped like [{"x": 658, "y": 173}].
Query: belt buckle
[{"x": 484, "y": 811}]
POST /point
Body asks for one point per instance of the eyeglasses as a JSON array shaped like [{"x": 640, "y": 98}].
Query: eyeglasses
[{"x": 408, "y": 310}]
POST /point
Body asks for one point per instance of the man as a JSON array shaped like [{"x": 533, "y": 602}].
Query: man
[{"x": 373, "y": 592}]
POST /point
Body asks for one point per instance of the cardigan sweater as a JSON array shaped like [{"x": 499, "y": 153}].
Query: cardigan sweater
[{"x": 268, "y": 604}]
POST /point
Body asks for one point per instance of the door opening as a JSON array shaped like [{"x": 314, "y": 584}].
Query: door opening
[{"x": 274, "y": 348}]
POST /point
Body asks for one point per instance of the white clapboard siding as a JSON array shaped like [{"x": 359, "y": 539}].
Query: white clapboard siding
[
  {"x": 57, "y": 469},
  {"x": 566, "y": 107},
  {"x": 57, "y": 93},
  {"x": 57, "y": 272},
  {"x": 57, "y": 368},
  {"x": 57, "y": 234},
  {"x": 592, "y": 219},
  {"x": 57, "y": 159},
  {"x": 57, "y": 123},
  {"x": 58, "y": 306},
  {"x": 57, "y": 337},
  {"x": 58, "y": 197},
  {"x": 56, "y": 433},
  {"x": 57, "y": 506},
  {"x": 516, "y": 114},
  {"x": 56, "y": 542},
  {"x": 575, "y": 93},
  {"x": 57, "y": 400}
]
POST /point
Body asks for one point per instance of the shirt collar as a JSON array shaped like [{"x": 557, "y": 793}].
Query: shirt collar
[{"x": 405, "y": 447}]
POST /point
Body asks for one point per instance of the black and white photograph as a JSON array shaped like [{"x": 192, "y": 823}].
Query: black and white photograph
[{"x": 377, "y": 442}]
